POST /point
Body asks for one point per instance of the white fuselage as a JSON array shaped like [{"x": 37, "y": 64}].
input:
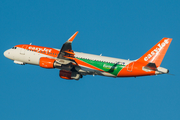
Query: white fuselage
[{"x": 23, "y": 56}]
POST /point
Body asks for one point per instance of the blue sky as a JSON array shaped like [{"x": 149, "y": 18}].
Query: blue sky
[{"x": 122, "y": 29}]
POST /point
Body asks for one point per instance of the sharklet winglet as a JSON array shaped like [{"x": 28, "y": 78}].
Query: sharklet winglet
[{"x": 72, "y": 37}]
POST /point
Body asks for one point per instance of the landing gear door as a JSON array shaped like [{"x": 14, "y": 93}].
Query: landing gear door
[{"x": 23, "y": 49}]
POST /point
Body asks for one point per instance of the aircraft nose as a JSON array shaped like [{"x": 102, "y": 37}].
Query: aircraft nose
[{"x": 6, "y": 53}]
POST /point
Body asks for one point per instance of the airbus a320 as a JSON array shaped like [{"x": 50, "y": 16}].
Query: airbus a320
[{"x": 74, "y": 65}]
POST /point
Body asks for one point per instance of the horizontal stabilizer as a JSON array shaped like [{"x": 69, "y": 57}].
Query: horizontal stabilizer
[{"x": 151, "y": 66}]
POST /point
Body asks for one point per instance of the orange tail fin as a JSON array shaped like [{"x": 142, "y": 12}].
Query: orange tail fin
[{"x": 156, "y": 53}]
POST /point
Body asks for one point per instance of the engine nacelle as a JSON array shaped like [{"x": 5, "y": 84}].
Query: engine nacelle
[
  {"x": 69, "y": 75},
  {"x": 45, "y": 62},
  {"x": 65, "y": 74}
]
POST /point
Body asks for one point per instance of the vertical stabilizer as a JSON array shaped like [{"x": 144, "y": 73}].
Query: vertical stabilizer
[{"x": 156, "y": 53}]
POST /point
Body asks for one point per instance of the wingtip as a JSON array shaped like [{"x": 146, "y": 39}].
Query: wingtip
[{"x": 73, "y": 36}]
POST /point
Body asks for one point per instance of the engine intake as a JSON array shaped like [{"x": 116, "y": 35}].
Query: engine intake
[{"x": 45, "y": 62}]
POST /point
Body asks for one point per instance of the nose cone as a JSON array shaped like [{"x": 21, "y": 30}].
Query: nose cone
[{"x": 6, "y": 53}]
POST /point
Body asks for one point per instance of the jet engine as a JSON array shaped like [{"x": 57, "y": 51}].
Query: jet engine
[
  {"x": 69, "y": 75},
  {"x": 45, "y": 62}
]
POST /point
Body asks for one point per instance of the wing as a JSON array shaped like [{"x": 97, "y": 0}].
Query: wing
[
  {"x": 66, "y": 53},
  {"x": 66, "y": 61}
]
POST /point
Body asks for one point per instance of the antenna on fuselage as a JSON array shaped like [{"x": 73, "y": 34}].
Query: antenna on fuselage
[
  {"x": 30, "y": 43},
  {"x": 101, "y": 54}
]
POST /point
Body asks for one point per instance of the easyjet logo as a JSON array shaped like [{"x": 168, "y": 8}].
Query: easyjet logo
[
  {"x": 156, "y": 50},
  {"x": 40, "y": 49}
]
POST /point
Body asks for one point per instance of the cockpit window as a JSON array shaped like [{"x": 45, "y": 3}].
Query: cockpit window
[{"x": 13, "y": 47}]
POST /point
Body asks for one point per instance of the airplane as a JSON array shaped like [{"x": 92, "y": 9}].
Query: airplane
[{"x": 74, "y": 65}]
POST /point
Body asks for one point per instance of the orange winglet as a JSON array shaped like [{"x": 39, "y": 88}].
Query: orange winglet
[{"x": 72, "y": 37}]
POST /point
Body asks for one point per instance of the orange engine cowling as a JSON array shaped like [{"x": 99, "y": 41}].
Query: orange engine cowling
[
  {"x": 65, "y": 74},
  {"x": 69, "y": 75},
  {"x": 45, "y": 62}
]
